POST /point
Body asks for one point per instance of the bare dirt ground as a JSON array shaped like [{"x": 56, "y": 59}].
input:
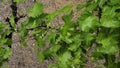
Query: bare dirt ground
[{"x": 26, "y": 57}]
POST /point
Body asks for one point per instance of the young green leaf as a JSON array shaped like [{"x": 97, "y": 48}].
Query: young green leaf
[
  {"x": 67, "y": 18},
  {"x": 37, "y": 10},
  {"x": 56, "y": 13},
  {"x": 110, "y": 13},
  {"x": 91, "y": 7},
  {"x": 55, "y": 48},
  {"x": 88, "y": 38},
  {"x": 12, "y": 23},
  {"x": 89, "y": 23},
  {"x": 66, "y": 39},
  {"x": 66, "y": 8},
  {"x": 39, "y": 41},
  {"x": 77, "y": 40},
  {"x": 40, "y": 56},
  {"x": 8, "y": 52},
  {"x": 115, "y": 2},
  {"x": 23, "y": 41},
  {"x": 3, "y": 41},
  {"x": 19, "y": 1},
  {"x": 34, "y": 24},
  {"x": 1, "y": 27},
  {"x": 79, "y": 7},
  {"x": 51, "y": 37},
  {"x": 2, "y": 51},
  {"x": 109, "y": 46},
  {"x": 68, "y": 25},
  {"x": 23, "y": 32},
  {"x": 109, "y": 22},
  {"x": 65, "y": 57},
  {"x": 101, "y": 2}
]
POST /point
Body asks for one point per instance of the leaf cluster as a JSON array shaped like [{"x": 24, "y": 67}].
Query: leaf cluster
[{"x": 69, "y": 45}]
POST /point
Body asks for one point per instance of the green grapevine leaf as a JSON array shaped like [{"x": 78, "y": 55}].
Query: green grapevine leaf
[
  {"x": 37, "y": 22},
  {"x": 114, "y": 2},
  {"x": 34, "y": 24},
  {"x": 76, "y": 43},
  {"x": 8, "y": 52},
  {"x": 66, "y": 9},
  {"x": 55, "y": 48},
  {"x": 67, "y": 28},
  {"x": 4, "y": 53},
  {"x": 91, "y": 7},
  {"x": 110, "y": 13},
  {"x": 23, "y": 41},
  {"x": 39, "y": 41},
  {"x": 1, "y": 51},
  {"x": 109, "y": 46},
  {"x": 109, "y": 22},
  {"x": 37, "y": 10},
  {"x": 67, "y": 18},
  {"x": 24, "y": 24},
  {"x": 1, "y": 27},
  {"x": 12, "y": 23},
  {"x": 79, "y": 7},
  {"x": 19, "y": 1},
  {"x": 9, "y": 41},
  {"x": 89, "y": 23},
  {"x": 109, "y": 17},
  {"x": 3, "y": 41},
  {"x": 73, "y": 47},
  {"x": 47, "y": 53},
  {"x": 51, "y": 37},
  {"x": 56, "y": 13},
  {"x": 23, "y": 32},
  {"x": 66, "y": 39},
  {"x": 76, "y": 61},
  {"x": 64, "y": 58},
  {"x": 88, "y": 38},
  {"x": 40, "y": 56},
  {"x": 101, "y": 2}
]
